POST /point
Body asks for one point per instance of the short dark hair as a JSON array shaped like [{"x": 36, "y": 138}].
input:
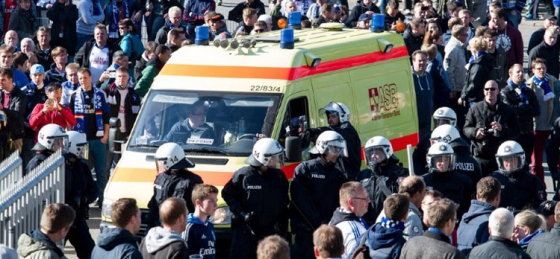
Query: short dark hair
[
  {"x": 129, "y": 25},
  {"x": 56, "y": 217},
  {"x": 151, "y": 47},
  {"x": 273, "y": 247},
  {"x": 393, "y": 4},
  {"x": 122, "y": 211},
  {"x": 122, "y": 70},
  {"x": 83, "y": 70},
  {"x": 415, "y": 23},
  {"x": 7, "y": 72},
  {"x": 396, "y": 207},
  {"x": 452, "y": 6},
  {"x": 440, "y": 212},
  {"x": 326, "y": 7},
  {"x": 489, "y": 33},
  {"x": 416, "y": 185},
  {"x": 501, "y": 13},
  {"x": 162, "y": 49},
  {"x": 20, "y": 58},
  {"x": 488, "y": 189},
  {"x": 536, "y": 61},
  {"x": 52, "y": 87},
  {"x": 202, "y": 191},
  {"x": 174, "y": 34},
  {"x": 328, "y": 241}
]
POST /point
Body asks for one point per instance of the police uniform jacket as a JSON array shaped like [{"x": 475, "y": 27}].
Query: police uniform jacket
[
  {"x": 314, "y": 192},
  {"x": 520, "y": 190},
  {"x": 263, "y": 193},
  {"x": 80, "y": 189},
  {"x": 465, "y": 163},
  {"x": 37, "y": 160},
  {"x": 454, "y": 186}
]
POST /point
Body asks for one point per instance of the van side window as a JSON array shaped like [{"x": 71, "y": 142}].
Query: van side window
[{"x": 296, "y": 120}]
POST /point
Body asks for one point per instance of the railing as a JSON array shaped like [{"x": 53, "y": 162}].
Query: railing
[{"x": 22, "y": 199}]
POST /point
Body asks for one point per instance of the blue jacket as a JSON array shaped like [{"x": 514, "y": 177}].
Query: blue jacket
[
  {"x": 200, "y": 237},
  {"x": 20, "y": 79},
  {"x": 473, "y": 229},
  {"x": 385, "y": 242},
  {"x": 116, "y": 243}
]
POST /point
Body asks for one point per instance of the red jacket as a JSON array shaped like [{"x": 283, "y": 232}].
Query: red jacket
[{"x": 37, "y": 120}]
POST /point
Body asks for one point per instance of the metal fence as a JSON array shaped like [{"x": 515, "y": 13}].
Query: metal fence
[{"x": 22, "y": 199}]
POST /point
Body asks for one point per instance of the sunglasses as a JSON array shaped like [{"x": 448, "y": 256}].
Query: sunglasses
[
  {"x": 489, "y": 89},
  {"x": 259, "y": 30}
]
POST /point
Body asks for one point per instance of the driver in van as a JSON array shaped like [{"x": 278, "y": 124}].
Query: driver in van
[{"x": 193, "y": 130}]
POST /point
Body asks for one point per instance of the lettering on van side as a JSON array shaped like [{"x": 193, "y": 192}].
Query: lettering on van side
[
  {"x": 264, "y": 88},
  {"x": 383, "y": 101}
]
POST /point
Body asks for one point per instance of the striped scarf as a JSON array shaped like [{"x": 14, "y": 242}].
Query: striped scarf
[
  {"x": 79, "y": 112},
  {"x": 115, "y": 18}
]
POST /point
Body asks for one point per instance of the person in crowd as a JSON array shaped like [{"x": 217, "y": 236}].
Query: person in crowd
[
  {"x": 313, "y": 200},
  {"x": 385, "y": 239},
  {"x": 364, "y": 21},
  {"x": 435, "y": 70},
  {"x": 528, "y": 224},
  {"x": 419, "y": 12},
  {"x": 542, "y": 83},
  {"x": 454, "y": 64},
  {"x": 123, "y": 101},
  {"x": 64, "y": 16},
  {"x": 19, "y": 79},
  {"x": 381, "y": 177},
  {"x": 35, "y": 92},
  {"x": 414, "y": 35},
  {"x": 488, "y": 124},
  {"x": 44, "y": 47},
  {"x": 97, "y": 54},
  {"x": 108, "y": 76},
  {"x": 478, "y": 73},
  {"x": 22, "y": 20},
  {"x": 260, "y": 27},
  {"x": 546, "y": 210},
  {"x": 13, "y": 103},
  {"x": 327, "y": 242},
  {"x": 509, "y": 37},
  {"x": 27, "y": 45},
  {"x": 262, "y": 207},
  {"x": 435, "y": 242},
  {"x": 89, "y": 106},
  {"x": 155, "y": 64},
  {"x": 51, "y": 139},
  {"x": 314, "y": 11},
  {"x": 447, "y": 34},
  {"x": 166, "y": 241},
  {"x": 142, "y": 61},
  {"x": 498, "y": 54},
  {"x": 465, "y": 16},
  {"x": 57, "y": 71},
  {"x": 80, "y": 190},
  {"x": 173, "y": 180},
  {"x": 31, "y": 60},
  {"x": 20, "y": 62},
  {"x": 173, "y": 21},
  {"x": 41, "y": 243},
  {"x": 116, "y": 11},
  {"x": 246, "y": 26},
  {"x": 393, "y": 16},
  {"x": 194, "y": 127},
  {"x": 175, "y": 38},
  {"x": 217, "y": 26},
  {"x": 521, "y": 189},
  {"x": 547, "y": 50},
  {"x": 444, "y": 178},
  {"x": 119, "y": 242},
  {"x": 130, "y": 44},
  {"x": 524, "y": 101},
  {"x": 362, "y": 7},
  {"x": 547, "y": 245},
  {"x": 268, "y": 20},
  {"x": 327, "y": 15},
  {"x": 11, "y": 39},
  {"x": 353, "y": 205},
  {"x": 423, "y": 84},
  {"x": 71, "y": 84},
  {"x": 199, "y": 234},
  {"x": 90, "y": 13},
  {"x": 538, "y": 35},
  {"x": 273, "y": 247},
  {"x": 238, "y": 12},
  {"x": 499, "y": 244},
  {"x": 194, "y": 15},
  {"x": 429, "y": 198},
  {"x": 473, "y": 229}
]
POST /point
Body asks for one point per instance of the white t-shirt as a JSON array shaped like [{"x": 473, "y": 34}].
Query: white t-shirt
[
  {"x": 98, "y": 62},
  {"x": 123, "y": 94}
]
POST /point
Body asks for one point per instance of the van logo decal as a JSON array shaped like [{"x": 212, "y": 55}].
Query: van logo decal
[{"x": 384, "y": 101}]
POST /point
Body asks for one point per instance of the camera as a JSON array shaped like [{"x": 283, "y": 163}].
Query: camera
[{"x": 492, "y": 132}]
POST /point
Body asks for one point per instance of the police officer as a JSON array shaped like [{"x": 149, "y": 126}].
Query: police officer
[
  {"x": 453, "y": 185},
  {"x": 464, "y": 162},
  {"x": 314, "y": 191},
  {"x": 80, "y": 191},
  {"x": 50, "y": 140},
  {"x": 442, "y": 116},
  {"x": 382, "y": 177},
  {"x": 520, "y": 189},
  {"x": 173, "y": 180},
  {"x": 257, "y": 195}
]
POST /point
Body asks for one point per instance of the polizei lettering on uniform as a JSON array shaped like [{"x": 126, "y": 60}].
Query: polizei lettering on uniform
[
  {"x": 464, "y": 166},
  {"x": 320, "y": 176},
  {"x": 254, "y": 187}
]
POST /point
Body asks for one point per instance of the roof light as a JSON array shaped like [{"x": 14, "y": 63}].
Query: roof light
[
  {"x": 294, "y": 20},
  {"x": 384, "y": 45},
  {"x": 287, "y": 38},
  {"x": 378, "y": 23},
  {"x": 202, "y": 33}
]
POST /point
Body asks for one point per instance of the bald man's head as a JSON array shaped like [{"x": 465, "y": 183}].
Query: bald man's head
[{"x": 11, "y": 38}]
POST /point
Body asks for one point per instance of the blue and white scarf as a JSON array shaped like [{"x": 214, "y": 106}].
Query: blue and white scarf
[
  {"x": 97, "y": 9},
  {"x": 115, "y": 18},
  {"x": 473, "y": 58},
  {"x": 387, "y": 223},
  {"x": 79, "y": 113},
  {"x": 519, "y": 89},
  {"x": 543, "y": 84}
]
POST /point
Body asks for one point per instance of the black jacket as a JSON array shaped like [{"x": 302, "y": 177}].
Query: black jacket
[
  {"x": 15, "y": 111},
  {"x": 314, "y": 193},
  {"x": 82, "y": 57},
  {"x": 64, "y": 19},
  {"x": 481, "y": 115},
  {"x": 413, "y": 43},
  {"x": 549, "y": 54},
  {"x": 161, "y": 36},
  {"x": 419, "y": 156},
  {"x": 353, "y": 162},
  {"x": 464, "y": 161},
  {"x": 141, "y": 63},
  {"x": 263, "y": 193},
  {"x": 454, "y": 186},
  {"x": 473, "y": 229},
  {"x": 80, "y": 189},
  {"x": 359, "y": 9},
  {"x": 527, "y": 109},
  {"x": 499, "y": 248},
  {"x": 479, "y": 72},
  {"x": 520, "y": 190},
  {"x": 132, "y": 104},
  {"x": 37, "y": 160},
  {"x": 236, "y": 14},
  {"x": 546, "y": 245}
]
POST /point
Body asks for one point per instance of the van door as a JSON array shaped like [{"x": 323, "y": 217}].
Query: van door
[{"x": 295, "y": 120}]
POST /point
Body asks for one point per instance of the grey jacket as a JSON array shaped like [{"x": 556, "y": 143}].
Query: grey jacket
[
  {"x": 454, "y": 64},
  {"x": 431, "y": 245},
  {"x": 413, "y": 225},
  {"x": 544, "y": 120}
]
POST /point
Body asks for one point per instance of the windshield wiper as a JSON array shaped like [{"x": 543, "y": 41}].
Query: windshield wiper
[
  {"x": 213, "y": 150},
  {"x": 155, "y": 145}
]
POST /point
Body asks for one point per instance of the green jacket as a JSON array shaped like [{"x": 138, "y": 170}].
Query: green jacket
[
  {"x": 31, "y": 248},
  {"x": 148, "y": 74}
]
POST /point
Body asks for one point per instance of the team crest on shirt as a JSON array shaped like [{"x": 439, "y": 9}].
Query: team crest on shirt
[{"x": 504, "y": 41}]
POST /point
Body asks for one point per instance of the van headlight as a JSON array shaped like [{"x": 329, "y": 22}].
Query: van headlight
[
  {"x": 221, "y": 216},
  {"x": 106, "y": 208}
]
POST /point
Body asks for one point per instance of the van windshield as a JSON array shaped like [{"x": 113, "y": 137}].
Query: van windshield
[{"x": 217, "y": 123}]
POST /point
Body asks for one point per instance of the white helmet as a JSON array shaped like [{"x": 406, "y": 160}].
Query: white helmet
[
  {"x": 329, "y": 140},
  {"x": 171, "y": 156},
  {"x": 512, "y": 154},
  {"x": 338, "y": 108},
  {"x": 377, "y": 143},
  {"x": 3, "y": 118},
  {"x": 77, "y": 143},
  {"x": 445, "y": 133},
  {"x": 51, "y": 137},
  {"x": 441, "y": 152},
  {"x": 443, "y": 116},
  {"x": 263, "y": 151}
]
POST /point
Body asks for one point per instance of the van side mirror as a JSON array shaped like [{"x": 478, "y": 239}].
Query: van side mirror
[
  {"x": 293, "y": 149},
  {"x": 115, "y": 137}
]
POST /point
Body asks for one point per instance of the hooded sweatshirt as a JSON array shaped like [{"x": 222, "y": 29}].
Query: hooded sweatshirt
[
  {"x": 163, "y": 243},
  {"x": 352, "y": 229},
  {"x": 200, "y": 237},
  {"x": 424, "y": 86},
  {"x": 116, "y": 243},
  {"x": 38, "y": 245},
  {"x": 473, "y": 229},
  {"x": 381, "y": 237}
]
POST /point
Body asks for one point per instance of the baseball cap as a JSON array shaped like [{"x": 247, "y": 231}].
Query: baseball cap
[
  {"x": 547, "y": 208},
  {"x": 364, "y": 17},
  {"x": 37, "y": 69},
  {"x": 550, "y": 17}
]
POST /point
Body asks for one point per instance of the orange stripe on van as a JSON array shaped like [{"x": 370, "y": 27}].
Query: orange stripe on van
[{"x": 288, "y": 73}]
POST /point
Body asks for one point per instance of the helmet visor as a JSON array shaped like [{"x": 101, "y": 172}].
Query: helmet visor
[
  {"x": 442, "y": 121},
  {"x": 338, "y": 147},
  {"x": 60, "y": 143},
  {"x": 442, "y": 163},
  {"x": 510, "y": 163},
  {"x": 375, "y": 154},
  {"x": 276, "y": 161},
  {"x": 159, "y": 166}
]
